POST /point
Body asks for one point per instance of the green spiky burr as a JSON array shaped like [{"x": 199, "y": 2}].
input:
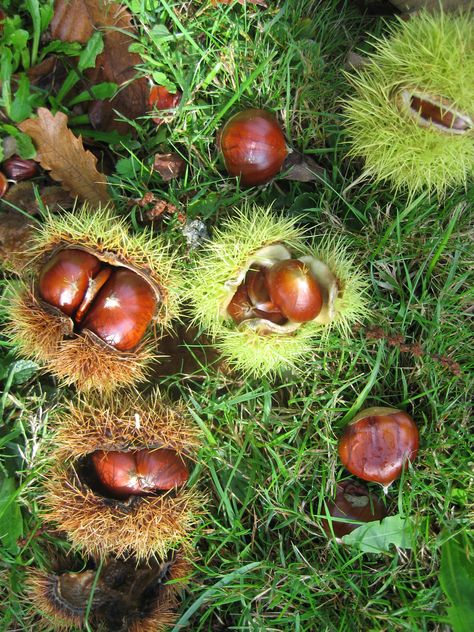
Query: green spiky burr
[
  {"x": 258, "y": 236},
  {"x": 411, "y": 117}
]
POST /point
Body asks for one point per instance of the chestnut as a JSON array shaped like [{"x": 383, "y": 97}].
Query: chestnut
[
  {"x": 139, "y": 472},
  {"x": 353, "y": 504},
  {"x": 65, "y": 278},
  {"x": 3, "y": 184},
  {"x": 434, "y": 112},
  {"x": 293, "y": 288},
  {"x": 377, "y": 444},
  {"x": 116, "y": 304},
  {"x": 253, "y": 146},
  {"x": 160, "y": 98},
  {"x": 241, "y": 306},
  {"x": 257, "y": 288},
  {"x": 18, "y": 168},
  {"x": 122, "y": 310}
]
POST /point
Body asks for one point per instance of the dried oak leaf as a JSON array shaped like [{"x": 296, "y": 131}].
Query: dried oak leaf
[
  {"x": 76, "y": 21},
  {"x": 64, "y": 156}
]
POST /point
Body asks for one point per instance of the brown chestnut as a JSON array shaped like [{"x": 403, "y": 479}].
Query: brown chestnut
[
  {"x": 3, "y": 184},
  {"x": 161, "y": 99},
  {"x": 377, "y": 444},
  {"x": 139, "y": 472},
  {"x": 353, "y": 504},
  {"x": 257, "y": 288},
  {"x": 65, "y": 278},
  {"x": 241, "y": 308},
  {"x": 18, "y": 168},
  {"x": 114, "y": 303},
  {"x": 253, "y": 146},
  {"x": 122, "y": 310},
  {"x": 294, "y": 290}
]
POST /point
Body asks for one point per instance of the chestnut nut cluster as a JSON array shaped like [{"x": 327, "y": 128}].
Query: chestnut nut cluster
[
  {"x": 285, "y": 291},
  {"x": 114, "y": 303},
  {"x": 139, "y": 472}
]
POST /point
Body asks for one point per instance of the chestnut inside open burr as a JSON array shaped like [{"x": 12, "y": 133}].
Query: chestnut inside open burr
[
  {"x": 285, "y": 291},
  {"x": 434, "y": 111},
  {"x": 113, "y": 302},
  {"x": 120, "y": 474}
]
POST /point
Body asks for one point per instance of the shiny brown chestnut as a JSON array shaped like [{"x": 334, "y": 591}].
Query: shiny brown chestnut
[
  {"x": 114, "y": 303},
  {"x": 353, "y": 504},
  {"x": 378, "y": 443},
  {"x": 160, "y": 98},
  {"x": 257, "y": 288},
  {"x": 18, "y": 169},
  {"x": 294, "y": 290},
  {"x": 139, "y": 472},
  {"x": 65, "y": 278},
  {"x": 3, "y": 184},
  {"x": 242, "y": 308},
  {"x": 253, "y": 146}
]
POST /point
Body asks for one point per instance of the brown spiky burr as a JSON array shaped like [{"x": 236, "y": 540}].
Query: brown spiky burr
[
  {"x": 124, "y": 595},
  {"x": 102, "y": 516},
  {"x": 94, "y": 300}
]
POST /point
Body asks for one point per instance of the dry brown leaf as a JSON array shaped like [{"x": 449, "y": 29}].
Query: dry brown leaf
[
  {"x": 63, "y": 154},
  {"x": 15, "y": 231},
  {"x": 169, "y": 166},
  {"x": 76, "y": 21}
]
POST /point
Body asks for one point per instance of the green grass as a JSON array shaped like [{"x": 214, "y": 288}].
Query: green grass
[{"x": 269, "y": 457}]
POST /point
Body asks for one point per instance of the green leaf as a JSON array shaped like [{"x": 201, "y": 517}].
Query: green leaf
[
  {"x": 21, "y": 104},
  {"x": 19, "y": 39},
  {"x": 376, "y": 537},
  {"x": 457, "y": 581},
  {"x": 11, "y": 521},
  {"x": 22, "y": 370},
  {"x": 25, "y": 146},
  {"x": 88, "y": 56},
  {"x": 105, "y": 90}
]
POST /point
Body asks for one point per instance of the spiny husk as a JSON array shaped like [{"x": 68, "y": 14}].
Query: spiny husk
[
  {"x": 435, "y": 55},
  {"x": 101, "y": 231},
  {"x": 82, "y": 359},
  {"x": 143, "y": 526},
  {"x": 128, "y": 421},
  {"x": 48, "y": 610},
  {"x": 42, "y": 594},
  {"x": 352, "y": 301},
  {"x": 226, "y": 254},
  {"x": 245, "y": 349}
]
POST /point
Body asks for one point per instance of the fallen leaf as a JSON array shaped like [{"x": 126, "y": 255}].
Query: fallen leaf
[
  {"x": 169, "y": 166},
  {"x": 76, "y": 21},
  {"x": 64, "y": 156},
  {"x": 302, "y": 168},
  {"x": 377, "y": 537},
  {"x": 22, "y": 196},
  {"x": 15, "y": 230},
  {"x": 161, "y": 99}
]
